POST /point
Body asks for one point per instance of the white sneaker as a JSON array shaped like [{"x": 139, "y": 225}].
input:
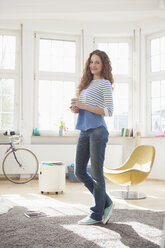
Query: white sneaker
[
  {"x": 107, "y": 213},
  {"x": 88, "y": 221}
]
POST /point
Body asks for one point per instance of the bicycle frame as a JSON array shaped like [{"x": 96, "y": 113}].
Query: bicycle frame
[
  {"x": 12, "y": 149},
  {"x": 7, "y": 143}
]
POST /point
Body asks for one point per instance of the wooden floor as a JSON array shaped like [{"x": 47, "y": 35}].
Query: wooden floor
[{"x": 76, "y": 193}]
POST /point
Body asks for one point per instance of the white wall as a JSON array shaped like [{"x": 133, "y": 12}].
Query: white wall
[
  {"x": 158, "y": 170},
  {"x": 66, "y": 154},
  {"x": 91, "y": 29},
  {"x": 117, "y": 152}
]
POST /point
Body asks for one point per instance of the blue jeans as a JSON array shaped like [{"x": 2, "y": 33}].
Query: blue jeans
[{"x": 92, "y": 144}]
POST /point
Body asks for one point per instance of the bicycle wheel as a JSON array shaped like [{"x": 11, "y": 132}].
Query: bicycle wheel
[{"x": 20, "y": 166}]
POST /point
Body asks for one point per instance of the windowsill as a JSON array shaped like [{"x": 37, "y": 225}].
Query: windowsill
[
  {"x": 70, "y": 139},
  {"x": 152, "y": 137},
  {"x": 4, "y": 138},
  {"x": 65, "y": 139},
  {"x": 75, "y": 136},
  {"x": 53, "y": 136},
  {"x": 73, "y": 139}
]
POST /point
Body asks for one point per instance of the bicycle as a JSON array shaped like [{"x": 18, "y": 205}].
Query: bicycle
[{"x": 19, "y": 165}]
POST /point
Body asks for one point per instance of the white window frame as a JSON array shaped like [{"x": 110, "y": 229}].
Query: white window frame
[
  {"x": 14, "y": 74},
  {"x": 122, "y": 78},
  {"x": 151, "y": 76},
  {"x": 55, "y": 76}
]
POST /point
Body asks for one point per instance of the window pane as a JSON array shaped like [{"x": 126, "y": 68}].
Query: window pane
[
  {"x": 163, "y": 87},
  {"x": 157, "y": 54},
  {"x": 103, "y": 46},
  {"x": 155, "y": 47},
  {"x": 155, "y": 63},
  {"x": 162, "y": 61},
  {"x": 158, "y": 105},
  {"x": 155, "y": 123},
  {"x": 155, "y": 89},
  {"x": 113, "y": 50},
  {"x": 123, "y": 67},
  {"x": 157, "y": 60},
  {"x": 162, "y": 45},
  {"x": 6, "y": 104},
  {"x": 119, "y": 56},
  {"x": 121, "y": 99},
  {"x": 163, "y": 105},
  {"x": 155, "y": 105},
  {"x": 57, "y": 56},
  {"x": 163, "y": 122},
  {"x": 120, "y": 115},
  {"x": 6, "y": 121},
  {"x": 124, "y": 50},
  {"x": 7, "y": 52},
  {"x": 54, "y": 103}
]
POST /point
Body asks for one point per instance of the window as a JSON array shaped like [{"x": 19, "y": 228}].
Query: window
[
  {"x": 57, "y": 56},
  {"x": 9, "y": 76},
  {"x": 119, "y": 52},
  {"x": 158, "y": 105},
  {"x": 156, "y": 79},
  {"x": 54, "y": 102},
  {"x": 119, "y": 55},
  {"x": 57, "y": 71},
  {"x": 157, "y": 55}
]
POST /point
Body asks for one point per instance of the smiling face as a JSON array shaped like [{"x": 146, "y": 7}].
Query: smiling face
[{"x": 96, "y": 66}]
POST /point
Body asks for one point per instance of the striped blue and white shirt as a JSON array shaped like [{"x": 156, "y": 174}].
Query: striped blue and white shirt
[{"x": 98, "y": 94}]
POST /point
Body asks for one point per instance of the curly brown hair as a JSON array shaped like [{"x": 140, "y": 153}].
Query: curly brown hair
[{"x": 87, "y": 76}]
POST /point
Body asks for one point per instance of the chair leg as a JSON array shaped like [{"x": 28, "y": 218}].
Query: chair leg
[
  {"x": 127, "y": 187},
  {"x": 128, "y": 195}
]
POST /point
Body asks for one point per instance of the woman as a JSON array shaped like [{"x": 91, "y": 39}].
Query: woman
[{"x": 95, "y": 101}]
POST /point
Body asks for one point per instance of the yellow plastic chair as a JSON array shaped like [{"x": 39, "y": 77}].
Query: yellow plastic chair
[{"x": 134, "y": 171}]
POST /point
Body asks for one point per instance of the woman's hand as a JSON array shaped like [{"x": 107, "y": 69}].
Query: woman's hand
[
  {"x": 73, "y": 106},
  {"x": 74, "y": 109},
  {"x": 79, "y": 104}
]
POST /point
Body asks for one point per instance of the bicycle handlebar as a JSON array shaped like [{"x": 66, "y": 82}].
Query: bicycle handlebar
[{"x": 15, "y": 139}]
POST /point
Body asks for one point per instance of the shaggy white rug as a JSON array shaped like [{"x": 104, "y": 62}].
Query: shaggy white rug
[{"x": 126, "y": 229}]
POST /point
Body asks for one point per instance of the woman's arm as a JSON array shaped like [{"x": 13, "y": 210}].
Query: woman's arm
[
  {"x": 95, "y": 110},
  {"x": 108, "y": 98},
  {"x": 108, "y": 102}
]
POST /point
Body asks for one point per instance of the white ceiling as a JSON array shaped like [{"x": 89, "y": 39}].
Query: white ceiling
[{"x": 90, "y": 10}]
